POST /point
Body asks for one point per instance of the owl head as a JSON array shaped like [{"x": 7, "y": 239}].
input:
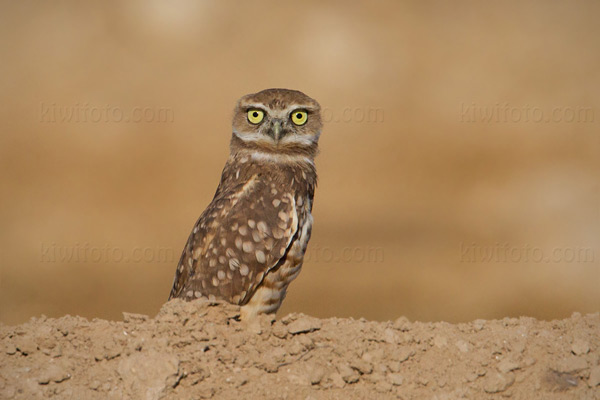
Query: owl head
[{"x": 278, "y": 121}]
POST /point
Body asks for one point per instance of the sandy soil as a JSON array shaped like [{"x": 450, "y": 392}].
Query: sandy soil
[{"x": 200, "y": 350}]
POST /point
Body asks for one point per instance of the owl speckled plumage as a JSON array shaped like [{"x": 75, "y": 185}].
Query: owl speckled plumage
[{"x": 249, "y": 243}]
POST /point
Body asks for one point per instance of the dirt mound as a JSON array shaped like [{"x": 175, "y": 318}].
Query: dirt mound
[{"x": 200, "y": 350}]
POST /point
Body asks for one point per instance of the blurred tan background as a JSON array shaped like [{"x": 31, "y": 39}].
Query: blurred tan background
[{"x": 459, "y": 166}]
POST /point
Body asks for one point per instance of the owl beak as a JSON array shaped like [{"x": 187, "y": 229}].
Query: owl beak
[{"x": 277, "y": 129}]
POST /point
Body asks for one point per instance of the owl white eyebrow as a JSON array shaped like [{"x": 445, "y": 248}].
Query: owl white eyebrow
[
  {"x": 296, "y": 107},
  {"x": 253, "y": 106},
  {"x": 261, "y": 156}
]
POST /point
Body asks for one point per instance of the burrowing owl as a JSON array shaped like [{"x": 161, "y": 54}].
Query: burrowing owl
[{"x": 249, "y": 243}]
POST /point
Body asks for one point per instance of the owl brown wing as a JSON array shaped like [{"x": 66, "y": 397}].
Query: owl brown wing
[{"x": 242, "y": 234}]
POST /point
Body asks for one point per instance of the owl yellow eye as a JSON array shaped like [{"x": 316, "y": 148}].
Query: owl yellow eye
[
  {"x": 255, "y": 116},
  {"x": 299, "y": 117}
]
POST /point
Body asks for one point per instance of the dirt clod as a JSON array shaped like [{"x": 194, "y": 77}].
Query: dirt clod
[
  {"x": 571, "y": 364},
  {"x": 580, "y": 347},
  {"x": 304, "y": 324},
  {"x": 507, "y": 365},
  {"x": 52, "y": 373},
  {"x": 395, "y": 379},
  {"x": 594, "y": 376},
  {"x": 497, "y": 382}
]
